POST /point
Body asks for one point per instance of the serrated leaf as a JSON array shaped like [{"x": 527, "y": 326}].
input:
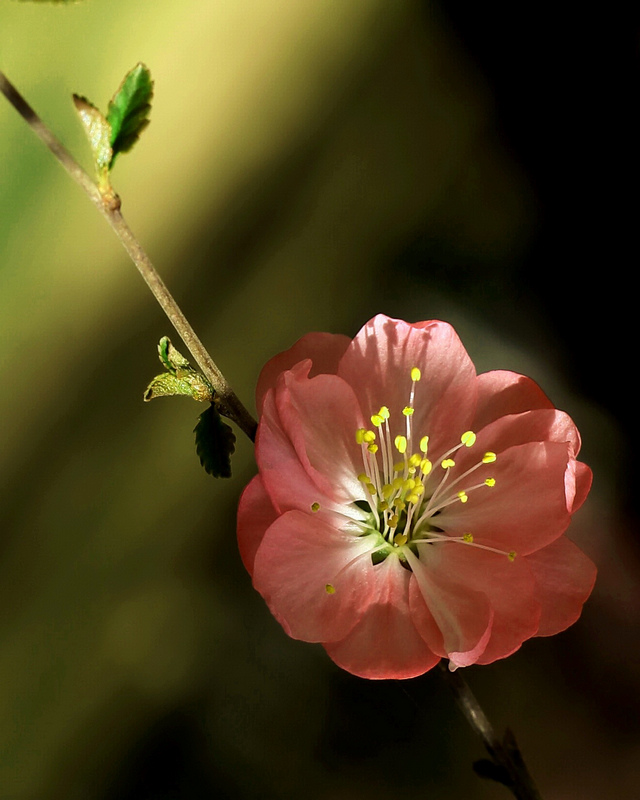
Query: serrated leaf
[
  {"x": 215, "y": 443},
  {"x": 98, "y": 132},
  {"x": 129, "y": 109}
]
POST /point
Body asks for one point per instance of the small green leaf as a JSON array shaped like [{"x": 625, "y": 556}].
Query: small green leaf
[
  {"x": 170, "y": 358},
  {"x": 180, "y": 379},
  {"x": 129, "y": 109},
  {"x": 98, "y": 132},
  {"x": 167, "y": 385},
  {"x": 215, "y": 443}
]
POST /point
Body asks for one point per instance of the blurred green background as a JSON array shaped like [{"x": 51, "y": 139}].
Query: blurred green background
[{"x": 309, "y": 164}]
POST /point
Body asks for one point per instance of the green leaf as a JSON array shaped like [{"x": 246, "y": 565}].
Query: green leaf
[
  {"x": 98, "y": 132},
  {"x": 129, "y": 109},
  {"x": 215, "y": 443},
  {"x": 170, "y": 358}
]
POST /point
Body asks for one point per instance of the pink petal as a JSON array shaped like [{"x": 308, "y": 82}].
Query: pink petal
[
  {"x": 321, "y": 416},
  {"x": 501, "y": 392},
  {"x": 300, "y": 556},
  {"x": 541, "y": 425},
  {"x": 324, "y": 349},
  {"x": 287, "y": 473},
  {"x": 255, "y": 514},
  {"x": 463, "y": 616},
  {"x": 525, "y": 510},
  {"x": 564, "y": 579},
  {"x": 378, "y": 366},
  {"x": 384, "y": 644},
  {"x": 511, "y": 590},
  {"x": 578, "y": 480}
]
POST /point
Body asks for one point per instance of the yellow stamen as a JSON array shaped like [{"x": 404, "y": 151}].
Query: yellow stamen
[
  {"x": 468, "y": 438},
  {"x": 384, "y": 412},
  {"x": 401, "y": 444},
  {"x": 463, "y": 497},
  {"x": 330, "y": 588},
  {"x": 372, "y": 448},
  {"x": 360, "y": 435},
  {"x": 368, "y": 437},
  {"x": 448, "y": 463},
  {"x": 377, "y": 420},
  {"x": 489, "y": 458},
  {"x": 315, "y": 507},
  {"x": 467, "y": 537},
  {"x": 424, "y": 444},
  {"x": 415, "y": 374},
  {"x": 512, "y": 555},
  {"x": 425, "y": 466},
  {"x": 490, "y": 482},
  {"x": 408, "y": 411},
  {"x": 399, "y": 539}
]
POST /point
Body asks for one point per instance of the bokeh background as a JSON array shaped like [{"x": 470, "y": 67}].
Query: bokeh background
[{"x": 309, "y": 164}]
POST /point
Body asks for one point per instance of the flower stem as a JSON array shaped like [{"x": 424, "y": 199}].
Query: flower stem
[
  {"x": 506, "y": 765},
  {"x": 108, "y": 204}
]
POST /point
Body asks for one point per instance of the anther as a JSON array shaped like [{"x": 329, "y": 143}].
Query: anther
[
  {"x": 415, "y": 374},
  {"x": 330, "y": 588},
  {"x": 489, "y": 458},
  {"x": 448, "y": 463},
  {"x": 463, "y": 497},
  {"x": 467, "y": 537},
  {"x": 408, "y": 411},
  {"x": 468, "y": 438},
  {"x": 512, "y": 555},
  {"x": 315, "y": 507},
  {"x": 424, "y": 444},
  {"x": 401, "y": 444},
  {"x": 490, "y": 482}
]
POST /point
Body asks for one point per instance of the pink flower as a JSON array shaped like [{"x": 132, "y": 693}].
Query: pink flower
[{"x": 407, "y": 509}]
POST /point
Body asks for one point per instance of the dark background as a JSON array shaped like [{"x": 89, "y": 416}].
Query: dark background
[{"x": 308, "y": 165}]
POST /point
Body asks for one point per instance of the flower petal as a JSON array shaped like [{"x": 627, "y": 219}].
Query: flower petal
[
  {"x": 321, "y": 416},
  {"x": 385, "y": 644},
  {"x": 378, "y": 366},
  {"x": 464, "y": 616},
  {"x": 255, "y": 514},
  {"x": 316, "y": 579},
  {"x": 577, "y": 479},
  {"x": 540, "y": 425},
  {"x": 525, "y": 510},
  {"x": 564, "y": 577},
  {"x": 501, "y": 392},
  {"x": 289, "y": 477},
  {"x": 323, "y": 349}
]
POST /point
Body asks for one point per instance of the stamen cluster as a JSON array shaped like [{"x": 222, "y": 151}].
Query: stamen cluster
[{"x": 403, "y": 497}]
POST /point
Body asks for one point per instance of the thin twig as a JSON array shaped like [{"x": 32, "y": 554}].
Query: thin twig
[
  {"x": 227, "y": 401},
  {"x": 510, "y": 767}
]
